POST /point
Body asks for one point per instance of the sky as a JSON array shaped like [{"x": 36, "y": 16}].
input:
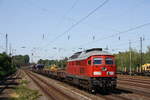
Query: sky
[{"x": 39, "y": 27}]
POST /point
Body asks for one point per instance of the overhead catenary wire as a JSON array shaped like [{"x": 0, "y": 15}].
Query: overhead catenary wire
[
  {"x": 70, "y": 9},
  {"x": 3, "y": 34},
  {"x": 37, "y": 6},
  {"x": 119, "y": 33},
  {"x": 94, "y": 40},
  {"x": 80, "y": 21},
  {"x": 122, "y": 44}
]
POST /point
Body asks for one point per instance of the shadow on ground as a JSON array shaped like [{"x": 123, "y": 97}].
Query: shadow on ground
[
  {"x": 4, "y": 98},
  {"x": 115, "y": 91},
  {"x": 8, "y": 83}
]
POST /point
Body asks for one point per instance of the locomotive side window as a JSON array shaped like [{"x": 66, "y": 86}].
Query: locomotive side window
[
  {"x": 109, "y": 61},
  {"x": 78, "y": 63},
  {"x": 89, "y": 62},
  {"x": 97, "y": 61}
]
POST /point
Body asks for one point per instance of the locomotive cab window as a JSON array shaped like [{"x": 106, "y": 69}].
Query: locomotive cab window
[
  {"x": 109, "y": 61},
  {"x": 97, "y": 61}
]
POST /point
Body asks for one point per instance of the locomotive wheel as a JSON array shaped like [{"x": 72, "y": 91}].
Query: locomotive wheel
[
  {"x": 92, "y": 91},
  {"x": 114, "y": 87}
]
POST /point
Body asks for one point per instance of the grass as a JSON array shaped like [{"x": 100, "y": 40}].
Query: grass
[{"x": 22, "y": 92}]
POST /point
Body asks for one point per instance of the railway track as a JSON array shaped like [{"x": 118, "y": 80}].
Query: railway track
[
  {"x": 52, "y": 92},
  {"x": 136, "y": 80},
  {"x": 112, "y": 97},
  {"x": 142, "y": 78},
  {"x": 135, "y": 91},
  {"x": 98, "y": 96},
  {"x": 137, "y": 86},
  {"x": 131, "y": 83},
  {"x": 121, "y": 93}
]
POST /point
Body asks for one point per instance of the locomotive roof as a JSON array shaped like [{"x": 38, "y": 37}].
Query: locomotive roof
[
  {"x": 75, "y": 55},
  {"x": 87, "y": 53},
  {"x": 94, "y": 49}
]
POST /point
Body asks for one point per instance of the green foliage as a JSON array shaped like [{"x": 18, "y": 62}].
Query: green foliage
[
  {"x": 24, "y": 82},
  {"x": 147, "y": 56},
  {"x": 59, "y": 63},
  {"x": 20, "y": 60},
  {"x": 26, "y": 93},
  {"x": 123, "y": 59},
  {"x": 6, "y": 66}
]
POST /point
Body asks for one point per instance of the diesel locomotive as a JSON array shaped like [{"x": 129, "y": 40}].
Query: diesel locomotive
[{"x": 93, "y": 69}]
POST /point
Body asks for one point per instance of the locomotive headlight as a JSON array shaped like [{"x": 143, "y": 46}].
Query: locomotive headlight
[
  {"x": 97, "y": 73},
  {"x": 110, "y": 73}
]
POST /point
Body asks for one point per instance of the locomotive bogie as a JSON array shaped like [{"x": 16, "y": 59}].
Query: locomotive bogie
[{"x": 104, "y": 82}]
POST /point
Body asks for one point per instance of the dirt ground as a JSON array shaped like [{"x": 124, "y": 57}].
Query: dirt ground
[
  {"x": 33, "y": 86},
  {"x": 7, "y": 86}
]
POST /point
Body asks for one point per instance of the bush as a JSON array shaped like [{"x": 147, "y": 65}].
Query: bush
[{"x": 6, "y": 66}]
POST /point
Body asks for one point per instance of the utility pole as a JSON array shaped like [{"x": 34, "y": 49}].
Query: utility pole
[
  {"x": 32, "y": 57},
  {"x": 13, "y": 56},
  {"x": 130, "y": 56},
  {"x": 6, "y": 43},
  {"x": 10, "y": 49},
  {"x": 121, "y": 62},
  {"x": 141, "y": 47}
]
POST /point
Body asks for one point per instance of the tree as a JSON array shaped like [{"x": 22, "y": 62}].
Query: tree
[
  {"x": 59, "y": 63},
  {"x": 123, "y": 59},
  {"x": 20, "y": 60}
]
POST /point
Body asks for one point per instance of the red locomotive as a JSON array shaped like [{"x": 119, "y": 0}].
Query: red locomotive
[{"x": 92, "y": 69}]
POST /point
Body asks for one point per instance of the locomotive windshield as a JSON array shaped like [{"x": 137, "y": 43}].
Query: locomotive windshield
[
  {"x": 109, "y": 61},
  {"x": 97, "y": 61}
]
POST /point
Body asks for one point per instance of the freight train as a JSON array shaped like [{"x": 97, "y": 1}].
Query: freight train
[
  {"x": 92, "y": 69},
  {"x": 144, "y": 70}
]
